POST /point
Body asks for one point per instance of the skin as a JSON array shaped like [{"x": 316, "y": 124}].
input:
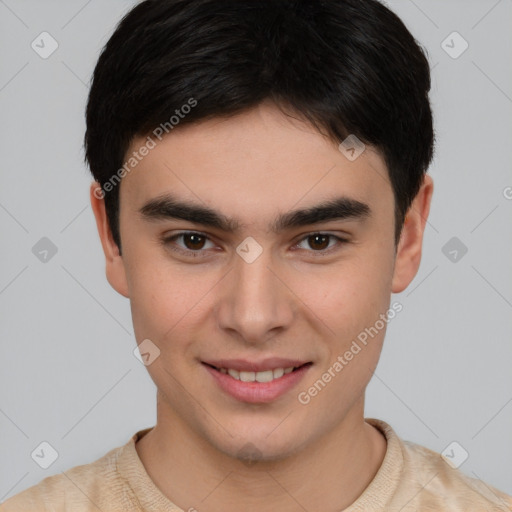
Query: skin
[{"x": 287, "y": 303}]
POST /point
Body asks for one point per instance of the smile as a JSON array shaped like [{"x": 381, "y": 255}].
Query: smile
[
  {"x": 263, "y": 376},
  {"x": 253, "y": 383}
]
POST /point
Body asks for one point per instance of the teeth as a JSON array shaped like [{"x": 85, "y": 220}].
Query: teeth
[
  {"x": 247, "y": 376},
  {"x": 265, "y": 376},
  {"x": 278, "y": 372},
  {"x": 234, "y": 373}
]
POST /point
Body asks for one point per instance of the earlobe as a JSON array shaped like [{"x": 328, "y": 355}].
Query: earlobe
[
  {"x": 408, "y": 256},
  {"x": 115, "y": 269}
]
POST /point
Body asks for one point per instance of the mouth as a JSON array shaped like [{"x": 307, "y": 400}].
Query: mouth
[
  {"x": 268, "y": 375},
  {"x": 257, "y": 382}
]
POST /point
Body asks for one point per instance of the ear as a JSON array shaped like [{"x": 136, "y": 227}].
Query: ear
[
  {"x": 408, "y": 255},
  {"x": 115, "y": 270}
]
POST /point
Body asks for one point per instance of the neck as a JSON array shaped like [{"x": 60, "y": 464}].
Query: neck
[{"x": 329, "y": 474}]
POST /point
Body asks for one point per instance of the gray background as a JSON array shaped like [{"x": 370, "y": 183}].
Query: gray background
[{"x": 68, "y": 374}]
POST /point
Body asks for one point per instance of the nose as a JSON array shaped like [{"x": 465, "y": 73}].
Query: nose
[{"x": 255, "y": 304}]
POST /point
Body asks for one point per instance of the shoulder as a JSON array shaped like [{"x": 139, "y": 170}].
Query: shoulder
[
  {"x": 430, "y": 482},
  {"x": 413, "y": 478},
  {"x": 95, "y": 486}
]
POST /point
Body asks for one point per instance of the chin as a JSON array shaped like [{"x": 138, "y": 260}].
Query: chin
[
  {"x": 261, "y": 443},
  {"x": 259, "y": 451}
]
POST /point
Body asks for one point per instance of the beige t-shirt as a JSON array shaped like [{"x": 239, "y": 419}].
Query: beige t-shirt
[{"x": 411, "y": 478}]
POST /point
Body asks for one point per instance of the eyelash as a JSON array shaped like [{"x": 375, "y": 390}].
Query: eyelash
[{"x": 167, "y": 241}]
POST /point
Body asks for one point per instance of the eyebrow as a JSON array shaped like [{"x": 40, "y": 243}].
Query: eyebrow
[{"x": 339, "y": 208}]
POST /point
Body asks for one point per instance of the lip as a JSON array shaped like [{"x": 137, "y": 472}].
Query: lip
[
  {"x": 258, "y": 392},
  {"x": 242, "y": 365}
]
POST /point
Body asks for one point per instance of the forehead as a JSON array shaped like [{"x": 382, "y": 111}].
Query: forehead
[{"x": 251, "y": 164}]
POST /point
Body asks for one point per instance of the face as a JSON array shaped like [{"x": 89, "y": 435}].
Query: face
[{"x": 253, "y": 248}]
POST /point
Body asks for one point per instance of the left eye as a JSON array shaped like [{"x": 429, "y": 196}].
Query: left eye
[
  {"x": 191, "y": 241},
  {"x": 319, "y": 242}
]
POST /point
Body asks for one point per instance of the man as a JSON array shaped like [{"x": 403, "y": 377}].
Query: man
[{"x": 260, "y": 191}]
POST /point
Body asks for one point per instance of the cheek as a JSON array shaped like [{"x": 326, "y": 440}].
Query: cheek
[
  {"x": 159, "y": 295},
  {"x": 167, "y": 301},
  {"x": 352, "y": 296},
  {"x": 160, "y": 307}
]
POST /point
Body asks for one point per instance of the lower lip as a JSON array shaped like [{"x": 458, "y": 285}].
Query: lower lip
[{"x": 257, "y": 392}]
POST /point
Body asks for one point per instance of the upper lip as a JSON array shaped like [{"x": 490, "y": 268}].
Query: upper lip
[{"x": 243, "y": 365}]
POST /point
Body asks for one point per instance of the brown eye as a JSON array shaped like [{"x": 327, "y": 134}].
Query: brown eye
[
  {"x": 188, "y": 243},
  {"x": 318, "y": 242},
  {"x": 193, "y": 241},
  {"x": 321, "y": 243}
]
